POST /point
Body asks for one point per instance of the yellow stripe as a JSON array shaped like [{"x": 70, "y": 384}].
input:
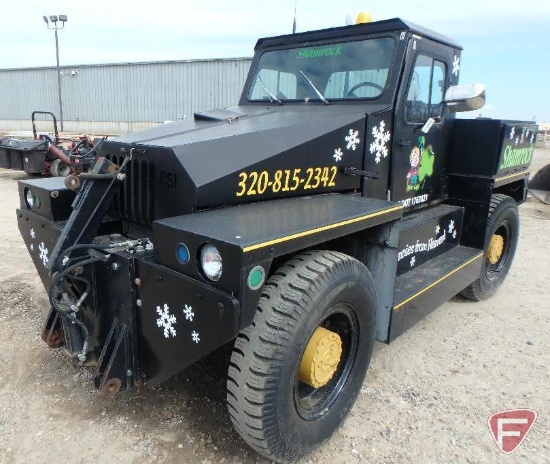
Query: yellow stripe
[
  {"x": 397, "y": 306},
  {"x": 523, "y": 173},
  {"x": 319, "y": 229}
]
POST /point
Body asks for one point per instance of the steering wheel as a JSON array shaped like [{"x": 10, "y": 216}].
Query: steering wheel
[{"x": 351, "y": 92}]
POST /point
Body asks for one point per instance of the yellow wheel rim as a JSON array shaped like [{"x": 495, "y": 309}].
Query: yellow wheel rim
[
  {"x": 321, "y": 357},
  {"x": 495, "y": 248}
]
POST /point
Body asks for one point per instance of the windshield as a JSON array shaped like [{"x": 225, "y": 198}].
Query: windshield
[{"x": 345, "y": 70}]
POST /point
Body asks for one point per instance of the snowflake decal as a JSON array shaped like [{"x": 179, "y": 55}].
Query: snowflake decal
[
  {"x": 31, "y": 246},
  {"x": 352, "y": 139},
  {"x": 451, "y": 226},
  {"x": 517, "y": 140},
  {"x": 381, "y": 138},
  {"x": 43, "y": 253},
  {"x": 532, "y": 138},
  {"x": 188, "y": 313},
  {"x": 512, "y": 133},
  {"x": 195, "y": 337},
  {"x": 413, "y": 261},
  {"x": 454, "y": 233},
  {"x": 166, "y": 321},
  {"x": 437, "y": 229},
  {"x": 33, "y": 234},
  {"x": 456, "y": 65},
  {"x": 338, "y": 153}
]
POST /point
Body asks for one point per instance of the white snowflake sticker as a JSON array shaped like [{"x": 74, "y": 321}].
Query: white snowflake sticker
[
  {"x": 338, "y": 154},
  {"x": 43, "y": 253},
  {"x": 381, "y": 138},
  {"x": 512, "y": 133},
  {"x": 31, "y": 246},
  {"x": 454, "y": 233},
  {"x": 456, "y": 65},
  {"x": 188, "y": 313},
  {"x": 33, "y": 234},
  {"x": 352, "y": 139},
  {"x": 437, "y": 229},
  {"x": 532, "y": 138},
  {"x": 413, "y": 261},
  {"x": 166, "y": 321},
  {"x": 195, "y": 337},
  {"x": 451, "y": 226}
]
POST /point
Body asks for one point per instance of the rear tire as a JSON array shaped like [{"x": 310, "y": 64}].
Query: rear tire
[
  {"x": 503, "y": 221},
  {"x": 58, "y": 169},
  {"x": 279, "y": 416}
]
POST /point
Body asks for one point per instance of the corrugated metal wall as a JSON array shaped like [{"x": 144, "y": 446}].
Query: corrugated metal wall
[{"x": 139, "y": 92}]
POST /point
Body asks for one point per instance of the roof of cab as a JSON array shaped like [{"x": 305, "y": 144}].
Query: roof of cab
[{"x": 388, "y": 25}]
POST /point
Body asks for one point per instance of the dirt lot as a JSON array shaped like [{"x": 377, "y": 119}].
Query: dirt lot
[{"x": 426, "y": 398}]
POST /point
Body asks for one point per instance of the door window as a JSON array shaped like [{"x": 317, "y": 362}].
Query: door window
[{"x": 426, "y": 89}]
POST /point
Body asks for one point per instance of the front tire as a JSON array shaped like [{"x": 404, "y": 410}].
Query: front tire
[
  {"x": 501, "y": 239},
  {"x": 277, "y": 414}
]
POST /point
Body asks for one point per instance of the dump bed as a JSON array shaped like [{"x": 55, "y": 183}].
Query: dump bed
[{"x": 491, "y": 147}]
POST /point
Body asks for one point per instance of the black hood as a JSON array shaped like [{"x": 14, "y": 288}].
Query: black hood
[{"x": 199, "y": 163}]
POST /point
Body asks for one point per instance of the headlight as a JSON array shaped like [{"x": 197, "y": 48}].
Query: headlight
[
  {"x": 28, "y": 198},
  {"x": 211, "y": 262},
  {"x": 32, "y": 201}
]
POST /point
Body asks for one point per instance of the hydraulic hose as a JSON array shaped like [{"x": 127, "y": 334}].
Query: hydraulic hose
[{"x": 70, "y": 312}]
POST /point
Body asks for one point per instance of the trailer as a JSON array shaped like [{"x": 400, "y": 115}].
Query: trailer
[{"x": 338, "y": 204}]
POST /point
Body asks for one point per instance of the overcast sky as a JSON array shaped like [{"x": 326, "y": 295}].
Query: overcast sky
[{"x": 506, "y": 43}]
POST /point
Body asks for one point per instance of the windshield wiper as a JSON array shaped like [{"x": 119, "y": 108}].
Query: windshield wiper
[
  {"x": 272, "y": 97},
  {"x": 317, "y": 91}
]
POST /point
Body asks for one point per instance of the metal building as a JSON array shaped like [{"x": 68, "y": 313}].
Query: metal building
[{"x": 119, "y": 98}]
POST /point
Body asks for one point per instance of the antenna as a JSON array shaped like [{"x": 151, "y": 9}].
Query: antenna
[{"x": 294, "y": 22}]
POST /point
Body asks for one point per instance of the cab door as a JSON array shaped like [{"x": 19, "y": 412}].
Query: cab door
[{"x": 419, "y": 168}]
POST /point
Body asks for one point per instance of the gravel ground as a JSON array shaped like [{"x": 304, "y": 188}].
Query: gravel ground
[{"x": 427, "y": 396}]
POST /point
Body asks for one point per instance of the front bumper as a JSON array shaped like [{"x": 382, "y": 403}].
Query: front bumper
[{"x": 146, "y": 321}]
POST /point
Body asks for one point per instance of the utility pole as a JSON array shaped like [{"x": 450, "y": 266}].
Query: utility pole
[{"x": 54, "y": 20}]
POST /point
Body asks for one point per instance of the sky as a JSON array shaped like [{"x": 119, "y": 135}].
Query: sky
[{"x": 506, "y": 43}]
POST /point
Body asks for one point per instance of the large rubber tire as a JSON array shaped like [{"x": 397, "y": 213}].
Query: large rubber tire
[
  {"x": 503, "y": 220},
  {"x": 276, "y": 414},
  {"x": 541, "y": 180},
  {"x": 58, "y": 169}
]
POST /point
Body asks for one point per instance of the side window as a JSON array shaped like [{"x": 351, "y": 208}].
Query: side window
[
  {"x": 282, "y": 84},
  {"x": 426, "y": 88}
]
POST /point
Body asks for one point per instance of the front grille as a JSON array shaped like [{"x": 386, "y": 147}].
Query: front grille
[{"x": 135, "y": 200}]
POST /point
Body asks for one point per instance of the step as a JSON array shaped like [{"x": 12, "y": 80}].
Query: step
[
  {"x": 426, "y": 234},
  {"x": 427, "y": 286}
]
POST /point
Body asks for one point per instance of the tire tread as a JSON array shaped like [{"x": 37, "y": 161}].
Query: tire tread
[
  {"x": 475, "y": 291},
  {"x": 252, "y": 376}
]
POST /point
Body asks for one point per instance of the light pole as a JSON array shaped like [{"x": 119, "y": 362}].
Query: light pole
[{"x": 54, "y": 20}]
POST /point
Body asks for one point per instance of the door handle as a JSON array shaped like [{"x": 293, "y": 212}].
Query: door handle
[{"x": 405, "y": 143}]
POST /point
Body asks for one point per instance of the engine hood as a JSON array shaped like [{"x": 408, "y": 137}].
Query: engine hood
[{"x": 245, "y": 154}]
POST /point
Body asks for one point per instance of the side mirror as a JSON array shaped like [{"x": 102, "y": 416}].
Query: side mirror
[{"x": 465, "y": 97}]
